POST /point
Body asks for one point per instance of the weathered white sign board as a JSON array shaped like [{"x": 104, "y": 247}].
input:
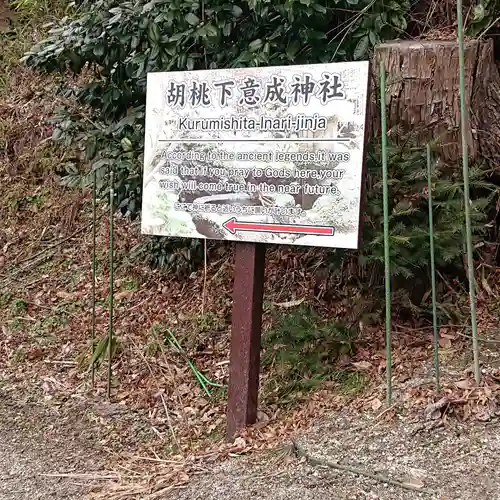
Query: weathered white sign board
[{"x": 271, "y": 155}]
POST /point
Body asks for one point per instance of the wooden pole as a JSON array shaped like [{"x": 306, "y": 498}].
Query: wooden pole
[{"x": 244, "y": 367}]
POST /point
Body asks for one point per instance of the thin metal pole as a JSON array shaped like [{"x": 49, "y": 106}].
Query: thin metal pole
[
  {"x": 385, "y": 176},
  {"x": 465, "y": 166},
  {"x": 94, "y": 266},
  {"x": 433, "y": 269},
  {"x": 110, "y": 331}
]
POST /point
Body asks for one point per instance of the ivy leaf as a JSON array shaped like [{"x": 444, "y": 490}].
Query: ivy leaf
[
  {"x": 237, "y": 11},
  {"x": 208, "y": 30},
  {"x": 374, "y": 38},
  {"x": 154, "y": 32},
  {"x": 99, "y": 50},
  {"x": 361, "y": 48},
  {"x": 478, "y": 13},
  {"x": 379, "y": 23},
  {"x": 255, "y": 45},
  {"x": 192, "y": 19},
  {"x": 148, "y": 7},
  {"x": 176, "y": 37},
  {"x": 399, "y": 21},
  {"x": 393, "y": 5},
  {"x": 319, "y": 8},
  {"x": 292, "y": 49}
]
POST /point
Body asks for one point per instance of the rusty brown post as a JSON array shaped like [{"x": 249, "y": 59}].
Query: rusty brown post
[{"x": 244, "y": 361}]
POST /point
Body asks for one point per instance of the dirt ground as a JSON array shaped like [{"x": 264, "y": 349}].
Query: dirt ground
[
  {"x": 36, "y": 441},
  {"x": 5, "y": 15},
  {"x": 455, "y": 462},
  {"x": 441, "y": 459}
]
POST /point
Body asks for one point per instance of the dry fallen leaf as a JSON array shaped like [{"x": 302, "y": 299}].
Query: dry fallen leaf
[
  {"x": 464, "y": 384},
  {"x": 414, "y": 483},
  {"x": 444, "y": 342},
  {"x": 362, "y": 365},
  {"x": 433, "y": 410},
  {"x": 123, "y": 295},
  {"x": 289, "y": 304},
  {"x": 239, "y": 442},
  {"x": 376, "y": 404}
]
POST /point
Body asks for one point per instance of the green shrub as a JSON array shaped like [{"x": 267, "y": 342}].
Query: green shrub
[
  {"x": 301, "y": 351},
  {"x": 120, "y": 42},
  {"x": 179, "y": 255},
  {"x": 409, "y": 210}
]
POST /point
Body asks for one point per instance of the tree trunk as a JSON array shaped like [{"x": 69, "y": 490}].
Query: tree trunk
[{"x": 423, "y": 95}]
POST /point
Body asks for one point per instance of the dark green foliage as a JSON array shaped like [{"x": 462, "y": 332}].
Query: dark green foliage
[
  {"x": 301, "y": 351},
  {"x": 483, "y": 17},
  {"x": 176, "y": 254},
  {"x": 120, "y": 42},
  {"x": 105, "y": 145},
  {"x": 408, "y": 205}
]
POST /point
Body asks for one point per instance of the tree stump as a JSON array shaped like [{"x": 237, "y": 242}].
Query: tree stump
[{"x": 423, "y": 95}]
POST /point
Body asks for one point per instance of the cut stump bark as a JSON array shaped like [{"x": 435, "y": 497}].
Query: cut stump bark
[{"x": 423, "y": 95}]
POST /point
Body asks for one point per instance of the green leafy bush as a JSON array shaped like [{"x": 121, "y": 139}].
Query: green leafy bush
[
  {"x": 300, "y": 352},
  {"x": 483, "y": 17},
  {"x": 118, "y": 43},
  {"x": 180, "y": 255},
  {"x": 408, "y": 210}
]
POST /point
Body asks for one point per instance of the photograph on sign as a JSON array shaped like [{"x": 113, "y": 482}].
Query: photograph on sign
[{"x": 269, "y": 155}]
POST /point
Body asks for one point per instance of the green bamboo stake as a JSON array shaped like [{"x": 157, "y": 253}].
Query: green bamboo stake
[
  {"x": 433, "y": 269},
  {"x": 465, "y": 167},
  {"x": 110, "y": 331},
  {"x": 94, "y": 267},
  {"x": 385, "y": 176}
]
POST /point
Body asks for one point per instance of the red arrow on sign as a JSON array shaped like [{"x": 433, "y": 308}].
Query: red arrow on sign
[{"x": 232, "y": 225}]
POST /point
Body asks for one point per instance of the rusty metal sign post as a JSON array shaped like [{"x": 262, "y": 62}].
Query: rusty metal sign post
[
  {"x": 244, "y": 367},
  {"x": 256, "y": 156}
]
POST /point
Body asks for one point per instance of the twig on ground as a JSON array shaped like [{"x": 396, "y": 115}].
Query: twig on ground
[
  {"x": 445, "y": 281},
  {"x": 387, "y": 410},
  {"x": 459, "y": 458},
  {"x": 58, "y": 243},
  {"x": 160, "y": 460},
  {"x": 39, "y": 259},
  {"x": 86, "y": 476},
  {"x": 34, "y": 282},
  {"x": 301, "y": 452},
  {"x": 64, "y": 363}
]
